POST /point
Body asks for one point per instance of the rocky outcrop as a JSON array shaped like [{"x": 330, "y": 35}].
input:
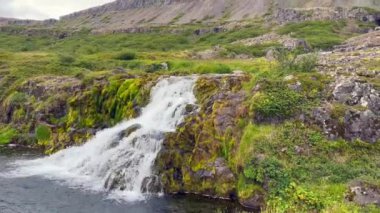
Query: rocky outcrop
[
  {"x": 353, "y": 109},
  {"x": 286, "y": 15},
  {"x": 191, "y": 160}
]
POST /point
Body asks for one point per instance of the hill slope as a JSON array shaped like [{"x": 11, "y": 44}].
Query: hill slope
[{"x": 132, "y": 13}]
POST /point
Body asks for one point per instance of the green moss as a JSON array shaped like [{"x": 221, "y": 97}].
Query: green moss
[
  {"x": 7, "y": 134},
  {"x": 43, "y": 133}
]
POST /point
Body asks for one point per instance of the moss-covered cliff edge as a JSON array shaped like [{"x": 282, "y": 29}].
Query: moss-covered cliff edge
[
  {"x": 52, "y": 112},
  {"x": 252, "y": 139}
]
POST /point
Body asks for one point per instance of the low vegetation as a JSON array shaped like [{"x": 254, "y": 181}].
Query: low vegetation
[{"x": 291, "y": 164}]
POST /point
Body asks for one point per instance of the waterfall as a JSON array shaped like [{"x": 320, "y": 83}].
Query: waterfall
[{"x": 119, "y": 160}]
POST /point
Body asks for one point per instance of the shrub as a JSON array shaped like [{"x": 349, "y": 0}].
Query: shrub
[
  {"x": 213, "y": 68},
  {"x": 292, "y": 61},
  {"x": 269, "y": 171},
  {"x": 126, "y": 56},
  {"x": 276, "y": 102}
]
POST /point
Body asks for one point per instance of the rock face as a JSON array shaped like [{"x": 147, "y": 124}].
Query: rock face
[{"x": 285, "y": 15}]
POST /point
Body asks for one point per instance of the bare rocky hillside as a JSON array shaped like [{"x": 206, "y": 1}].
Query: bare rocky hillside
[{"x": 123, "y": 14}]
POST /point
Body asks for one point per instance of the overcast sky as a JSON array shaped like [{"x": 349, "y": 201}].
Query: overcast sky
[{"x": 44, "y": 9}]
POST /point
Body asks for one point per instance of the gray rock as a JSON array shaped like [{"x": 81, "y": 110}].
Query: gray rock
[
  {"x": 364, "y": 125},
  {"x": 364, "y": 194}
]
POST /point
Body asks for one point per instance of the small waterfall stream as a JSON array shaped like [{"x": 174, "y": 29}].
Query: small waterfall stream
[{"x": 120, "y": 159}]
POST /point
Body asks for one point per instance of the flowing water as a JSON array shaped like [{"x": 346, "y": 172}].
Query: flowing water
[
  {"x": 40, "y": 195},
  {"x": 120, "y": 159},
  {"x": 112, "y": 172}
]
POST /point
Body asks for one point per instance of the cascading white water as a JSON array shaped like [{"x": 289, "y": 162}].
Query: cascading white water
[{"x": 119, "y": 159}]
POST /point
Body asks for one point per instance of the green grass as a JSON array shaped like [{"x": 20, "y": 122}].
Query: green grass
[
  {"x": 319, "y": 171},
  {"x": 319, "y": 34}
]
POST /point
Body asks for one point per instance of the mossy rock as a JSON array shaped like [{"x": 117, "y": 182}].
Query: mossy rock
[{"x": 7, "y": 134}]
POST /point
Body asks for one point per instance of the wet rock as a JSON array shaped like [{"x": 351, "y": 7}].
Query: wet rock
[
  {"x": 125, "y": 133},
  {"x": 151, "y": 184},
  {"x": 115, "y": 181},
  {"x": 255, "y": 202},
  {"x": 190, "y": 108}
]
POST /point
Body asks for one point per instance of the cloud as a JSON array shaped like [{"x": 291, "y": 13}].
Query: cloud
[{"x": 44, "y": 9}]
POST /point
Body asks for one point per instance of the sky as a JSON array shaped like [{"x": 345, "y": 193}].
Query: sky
[{"x": 44, "y": 9}]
